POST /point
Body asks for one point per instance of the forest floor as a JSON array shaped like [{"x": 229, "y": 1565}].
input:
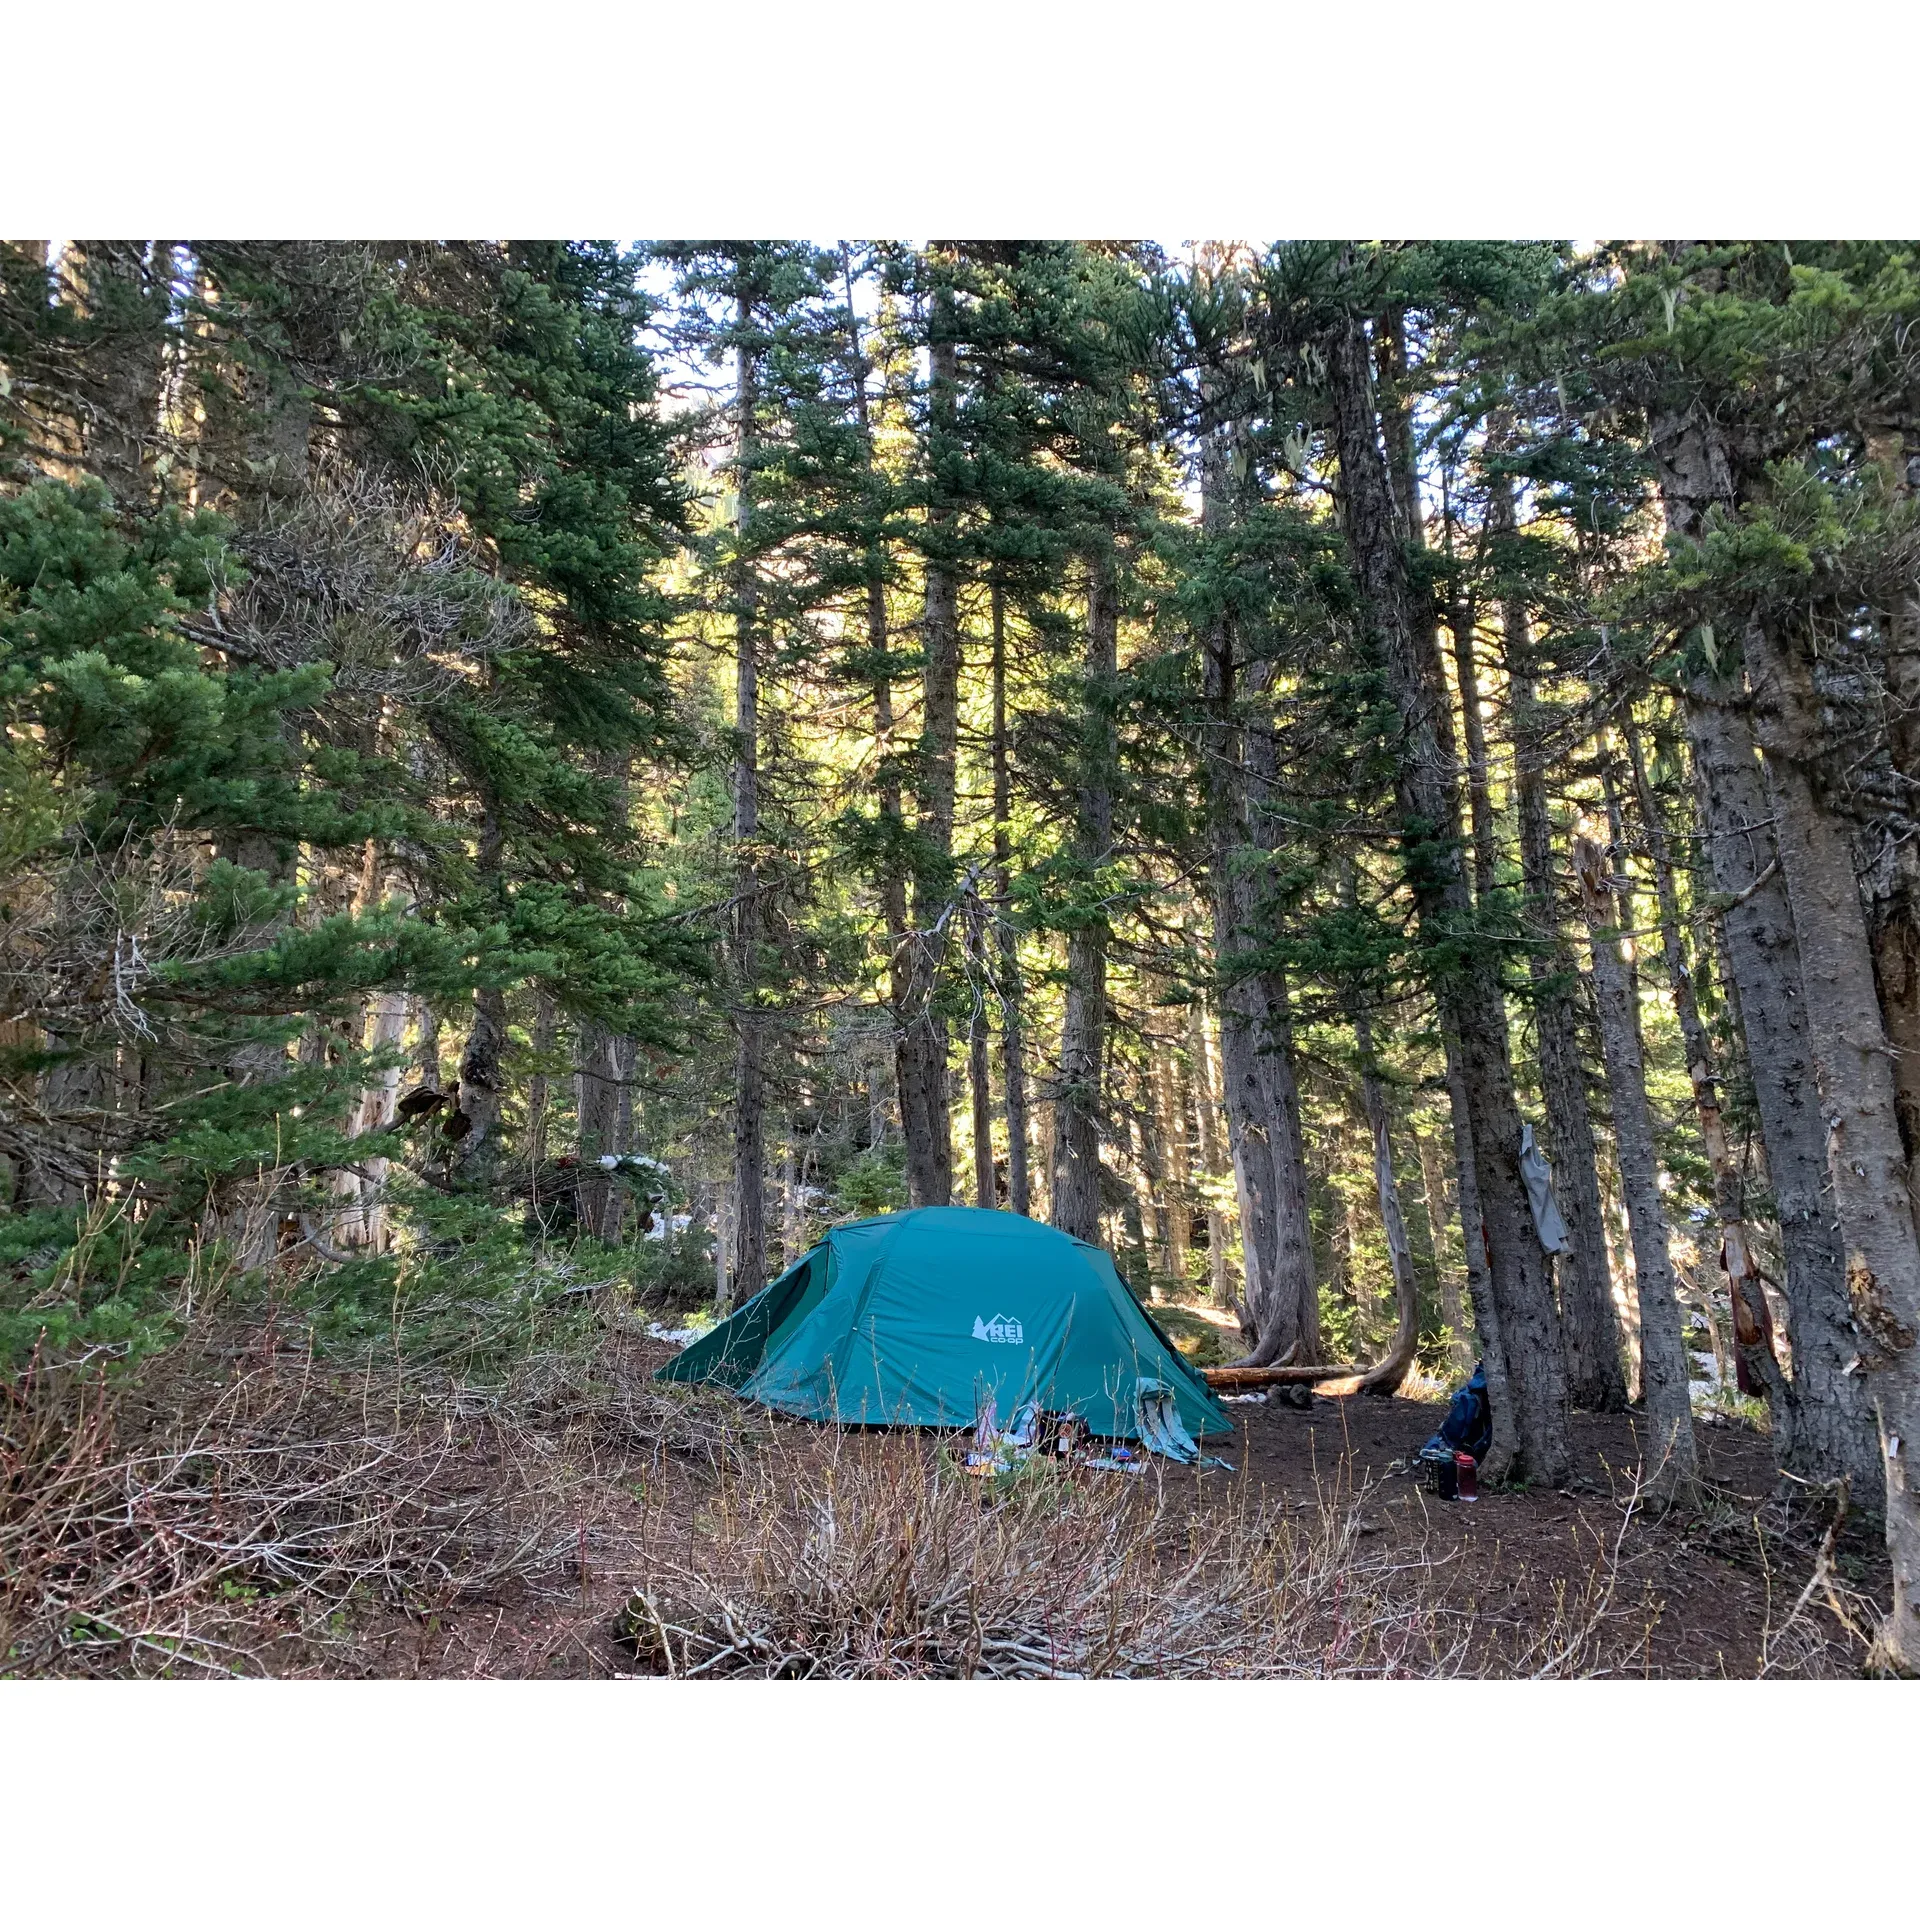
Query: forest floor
[
  {"x": 1707, "y": 1593},
  {"x": 257, "y": 1514}
]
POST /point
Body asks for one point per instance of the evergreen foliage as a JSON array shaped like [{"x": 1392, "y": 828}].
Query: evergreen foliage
[{"x": 516, "y": 746}]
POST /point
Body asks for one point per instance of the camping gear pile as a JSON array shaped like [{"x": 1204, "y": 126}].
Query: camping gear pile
[
  {"x": 1033, "y": 1437},
  {"x": 960, "y": 1316},
  {"x": 1450, "y": 1461}
]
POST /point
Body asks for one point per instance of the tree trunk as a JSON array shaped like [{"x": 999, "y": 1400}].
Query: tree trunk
[
  {"x": 979, "y": 1064},
  {"x": 1892, "y": 859},
  {"x": 1040, "y": 1161},
  {"x": 1479, "y": 800},
  {"x": 122, "y": 288},
  {"x": 1209, "y": 1102},
  {"x": 426, "y": 1044},
  {"x": 1281, "y": 1300},
  {"x": 540, "y": 1086},
  {"x": 1825, "y": 1426},
  {"x": 1013, "y": 1070},
  {"x": 1859, "y": 1097},
  {"x": 273, "y": 444},
  {"x": 924, "y": 1097},
  {"x": 1150, "y": 1191},
  {"x": 366, "y": 1225},
  {"x": 748, "y": 1264},
  {"x": 596, "y": 1083},
  {"x": 893, "y": 880},
  {"x": 1292, "y": 1322},
  {"x": 1428, "y": 799},
  {"x": 482, "y": 1087},
  {"x": 1244, "y": 1087},
  {"x": 1664, "y": 1372},
  {"x": 1385, "y": 1376},
  {"x": 1752, "y": 1322},
  {"x": 1078, "y": 1130},
  {"x": 1504, "y": 1448},
  {"x": 1590, "y": 1327},
  {"x": 539, "y": 1091},
  {"x": 1433, "y": 1184},
  {"x": 1174, "y": 1201}
]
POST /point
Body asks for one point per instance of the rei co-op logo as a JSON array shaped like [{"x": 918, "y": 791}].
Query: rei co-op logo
[{"x": 1000, "y": 1330}]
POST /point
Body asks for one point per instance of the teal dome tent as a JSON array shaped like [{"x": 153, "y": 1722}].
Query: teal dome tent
[{"x": 911, "y": 1319}]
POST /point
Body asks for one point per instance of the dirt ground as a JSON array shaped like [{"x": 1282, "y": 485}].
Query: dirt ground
[
  {"x": 1709, "y": 1591},
  {"x": 1744, "y": 1587}
]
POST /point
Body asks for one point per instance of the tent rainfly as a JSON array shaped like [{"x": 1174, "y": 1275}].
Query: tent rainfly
[{"x": 913, "y": 1319}]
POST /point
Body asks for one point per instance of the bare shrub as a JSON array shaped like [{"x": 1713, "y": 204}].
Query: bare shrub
[
  {"x": 875, "y": 1558},
  {"x": 611, "y": 1395},
  {"x": 234, "y": 1507},
  {"x": 220, "y": 1532}
]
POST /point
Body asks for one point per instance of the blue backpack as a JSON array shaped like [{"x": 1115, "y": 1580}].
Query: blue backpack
[{"x": 1468, "y": 1427}]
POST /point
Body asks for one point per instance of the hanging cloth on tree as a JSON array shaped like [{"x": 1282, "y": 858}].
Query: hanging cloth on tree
[{"x": 1536, "y": 1175}]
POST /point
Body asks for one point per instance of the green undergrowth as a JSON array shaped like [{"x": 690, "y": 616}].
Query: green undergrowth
[{"x": 469, "y": 1287}]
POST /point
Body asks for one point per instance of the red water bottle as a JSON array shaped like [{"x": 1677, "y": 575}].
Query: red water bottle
[{"x": 1467, "y": 1482}]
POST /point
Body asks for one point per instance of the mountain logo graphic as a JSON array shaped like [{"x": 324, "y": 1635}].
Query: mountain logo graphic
[{"x": 1000, "y": 1330}]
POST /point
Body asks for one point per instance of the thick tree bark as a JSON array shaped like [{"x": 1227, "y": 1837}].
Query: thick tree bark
[
  {"x": 1282, "y": 1302},
  {"x": 482, "y": 1088},
  {"x": 1859, "y": 1097},
  {"x": 1292, "y": 1320},
  {"x": 1079, "y": 1091},
  {"x": 1752, "y": 1322},
  {"x": 1891, "y": 855},
  {"x": 1504, "y": 1449},
  {"x": 1825, "y": 1426},
  {"x": 922, "y": 1043},
  {"x": 1589, "y": 1325},
  {"x": 1395, "y": 395},
  {"x": 1245, "y": 1087},
  {"x": 1428, "y": 799},
  {"x": 1479, "y": 799},
  {"x": 1674, "y": 1462}
]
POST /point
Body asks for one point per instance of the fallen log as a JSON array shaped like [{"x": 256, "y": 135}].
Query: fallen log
[{"x": 1247, "y": 1379}]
